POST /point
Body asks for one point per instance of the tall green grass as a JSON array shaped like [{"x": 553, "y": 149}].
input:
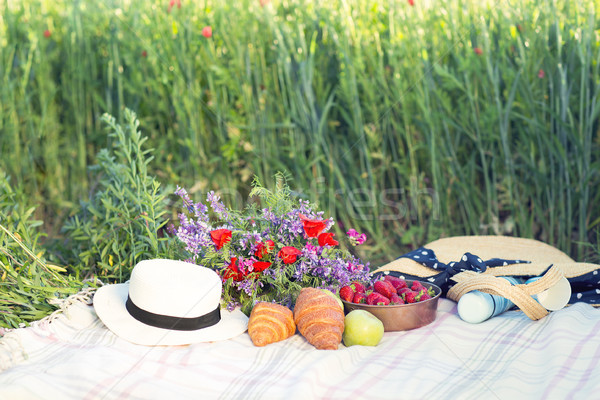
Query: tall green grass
[
  {"x": 382, "y": 112},
  {"x": 27, "y": 279}
]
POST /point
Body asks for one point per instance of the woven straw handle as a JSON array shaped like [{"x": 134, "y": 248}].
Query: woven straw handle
[{"x": 520, "y": 295}]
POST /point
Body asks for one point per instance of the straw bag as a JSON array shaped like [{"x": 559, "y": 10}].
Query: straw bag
[{"x": 465, "y": 263}]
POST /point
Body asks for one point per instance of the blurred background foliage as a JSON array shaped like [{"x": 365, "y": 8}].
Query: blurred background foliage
[{"x": 406, "y": 122}]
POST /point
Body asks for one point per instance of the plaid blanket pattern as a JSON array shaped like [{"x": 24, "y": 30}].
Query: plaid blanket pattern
[{"x": 507, "y": 357}]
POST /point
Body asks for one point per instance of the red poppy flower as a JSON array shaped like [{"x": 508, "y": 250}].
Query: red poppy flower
[
  {"x": 289, "y": 254},
  {"x": 478, "y": 51},
  {"x": 207, "y": 32},
  {"x": 144, "y": 53},
  {"x": 411, "y": 2},
  {"x": 262, "y": 249},
  {"x": 541, "y": 74},
  {"x": 259, "y": 266},
  {"x": 326, "y": 239},
  {"x": 312, "y": 227},
  {"x": 172, "y": 3},
  {"x": 233, "y": 271},
  {"x": 220, "y": 237},
  {"x": 47, "y": 33}
]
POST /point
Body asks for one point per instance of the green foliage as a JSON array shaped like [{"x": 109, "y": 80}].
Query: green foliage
[
  {"x": 382, "y": 113},
  {"x": 27, "y": 280},
  {"x": 122, "y": 222}
]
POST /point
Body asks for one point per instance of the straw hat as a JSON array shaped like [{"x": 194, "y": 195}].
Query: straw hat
[
  {"x": 168, "y": 302},
  {"x": 523, "y": 257},
  {"x": 540, "y": 256}
]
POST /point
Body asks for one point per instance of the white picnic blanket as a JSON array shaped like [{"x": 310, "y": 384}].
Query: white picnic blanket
[{"x": 508, "y": 357}]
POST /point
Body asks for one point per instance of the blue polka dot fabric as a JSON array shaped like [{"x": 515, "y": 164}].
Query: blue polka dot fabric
[
  {"x": 468, "y": 262},
  {"x": 584, "y": 288}
]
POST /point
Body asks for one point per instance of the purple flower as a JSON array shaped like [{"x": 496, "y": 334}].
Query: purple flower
[
  {"x": 217, "y": 206},
  {"x": 356, "y": 238},
  {"x": 199, "y": 210}
]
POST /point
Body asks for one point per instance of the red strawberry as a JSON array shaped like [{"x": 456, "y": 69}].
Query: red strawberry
[
  {"x": 358, "y": 287},
  {"x": 383, "y": 301},
  {"x": 385, "y": 288},
  {"x": 371, "y": 297},
  {"x": 347, "y": 293},
  {"x": 396, "y": 282},
  {"x": 377, "y": 298},
  {"x": 359, "y": 298},
  {"x": 411, "y": 297},
  {"x": 424, "y": 296},
  {"x": 403, "y": 291},
  {"x": 416, "y": 286},
  {"x": 395, "y": 299}
]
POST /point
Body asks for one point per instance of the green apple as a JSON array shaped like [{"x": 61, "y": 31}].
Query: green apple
[
  {"x": 362, "y": 328},
  {"x": 335, "y": 297}
]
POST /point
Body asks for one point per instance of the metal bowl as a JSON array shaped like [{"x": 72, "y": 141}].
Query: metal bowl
[{"x": 402, "y": 317}]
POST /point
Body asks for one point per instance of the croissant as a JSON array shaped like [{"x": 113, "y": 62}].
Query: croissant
[
  {"x": 269, "y": 323},
  {"x": 319, "y": 318}
]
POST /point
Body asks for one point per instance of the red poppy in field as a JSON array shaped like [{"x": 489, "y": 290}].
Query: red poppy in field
[
  {"x": 207, "y": 32},
  {"x": 259, "y": 266},
  {"x": 289, "y": 254},
  {"x": 541, "y": 74},
  {"x": 144, "y": 53},
  {"x": 220, "y": 237},
  {"x": 312, "y": 227},
  {"x": 262, "y": 249},
  {"x": 233, "y": 271},
  {"x": 47, "y": 33},
  {"x": 172, "y": 4},
  {"x": 326, "y": 239},
  {"x": 411, "y": 2},
  {"x": 478, "y": 51}
]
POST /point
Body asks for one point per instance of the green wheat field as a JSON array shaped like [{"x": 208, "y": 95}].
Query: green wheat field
[{"x": 408, "y": 121}]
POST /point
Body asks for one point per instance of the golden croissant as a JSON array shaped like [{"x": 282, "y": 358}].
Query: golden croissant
[
  {"x": 269, "y": 323},
  {"x": 319, "y": 318}
]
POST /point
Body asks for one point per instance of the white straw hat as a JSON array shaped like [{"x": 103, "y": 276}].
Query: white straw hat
[{"x": 168, "y": 302}]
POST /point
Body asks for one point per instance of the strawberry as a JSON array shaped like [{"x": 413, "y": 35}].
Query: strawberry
[
  {"x": 411, "y": 297},
  {"x": 347, "y": 293},
  {"x": 385, "y": 288},
  {"x": 424, "y": 296},
  {"x": 371, "y": 297},
  {"x": 395, "y": 299},
  {"x": 416, "y": 286},
  {"x": 377, "y": 298},
  {"x": 383, "y": 301},
  {"x": 358, "y": 287},
  {"x": 403, "y": 291},
  {"x": 359, "y": 298},
  {"x": 396, "y": 282}
]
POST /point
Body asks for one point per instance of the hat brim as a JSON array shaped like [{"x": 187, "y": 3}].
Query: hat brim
[
  {"x": 540, "y": 256},
  {"x": 109, "y": 304}
]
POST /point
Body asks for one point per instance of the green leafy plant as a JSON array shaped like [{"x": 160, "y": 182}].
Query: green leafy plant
[
  {"x": 27, "y": 280},
  {"x": 122, "y": 222}
]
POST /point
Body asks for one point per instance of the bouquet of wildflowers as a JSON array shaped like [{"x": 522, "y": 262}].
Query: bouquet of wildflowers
[{"x": 267, "y": 253}]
